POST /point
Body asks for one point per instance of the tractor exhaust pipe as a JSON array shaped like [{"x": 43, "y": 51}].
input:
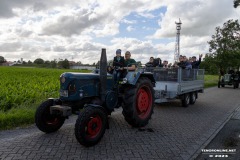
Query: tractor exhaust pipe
[{"x": 103, "y": 74}]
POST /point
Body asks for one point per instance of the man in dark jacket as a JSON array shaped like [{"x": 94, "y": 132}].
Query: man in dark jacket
[
  {"x": 195, "y": 63},
  {"x": 150, "y": 63}
]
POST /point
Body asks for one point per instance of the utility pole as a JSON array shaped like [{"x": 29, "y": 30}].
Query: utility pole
[{"x": 177, "y": 44}]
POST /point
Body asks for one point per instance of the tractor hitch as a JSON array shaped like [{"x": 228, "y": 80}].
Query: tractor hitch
[{"x": 63, "y": 111}]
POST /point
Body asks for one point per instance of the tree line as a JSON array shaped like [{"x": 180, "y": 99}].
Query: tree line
[
  {"x": 39, "y": 62},
  {"x": 224, "y": 48}
]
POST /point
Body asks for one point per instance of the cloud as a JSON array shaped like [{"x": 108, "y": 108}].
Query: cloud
[
  {"x": 199, "y": 18},
  {"x": 147, "y": 15},
  {"x": 130, "y": 28},
  {"x": 78, "y": 29},
  {"x": 10, "y": 47},
  {"x": 128, "y": 21},
  {"x": 59, "y": 49},
  {"x": 5, "y": 10}
]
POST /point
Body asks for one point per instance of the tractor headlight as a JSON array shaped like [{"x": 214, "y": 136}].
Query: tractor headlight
[
  {"x": 62, "y": 78},
  {"x": 81, "y": 93}
]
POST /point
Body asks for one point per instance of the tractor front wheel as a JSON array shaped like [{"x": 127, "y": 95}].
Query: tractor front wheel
[
  {"x": 90, "y": 126},
  {"x": 138, "y": 103},
  {"x": 45, "y": 121}
]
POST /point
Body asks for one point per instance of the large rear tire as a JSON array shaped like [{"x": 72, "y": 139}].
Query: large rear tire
[
  {"x": 45, "y": 121},
  {"x": 90, "y": 126},
  {"x": 138, "y": 103}
]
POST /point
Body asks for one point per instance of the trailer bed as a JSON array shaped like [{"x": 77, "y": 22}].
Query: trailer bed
[{"x": 176, "y": 83}]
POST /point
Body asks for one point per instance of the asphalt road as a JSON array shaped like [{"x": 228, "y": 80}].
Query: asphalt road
[{"x": 174, "y": 132}]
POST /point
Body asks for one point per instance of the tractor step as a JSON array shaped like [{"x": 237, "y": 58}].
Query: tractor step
[{"x": 64, "y": 111}]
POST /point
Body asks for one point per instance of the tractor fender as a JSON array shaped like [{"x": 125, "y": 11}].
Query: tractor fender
[
  {"x": 55, "y": 101},
  {"x": 133, "y": 77}
]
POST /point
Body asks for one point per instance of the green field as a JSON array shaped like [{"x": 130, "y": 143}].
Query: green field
[{"x": 23, "y": 89}]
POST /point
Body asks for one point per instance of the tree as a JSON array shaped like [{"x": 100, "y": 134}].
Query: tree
[
  {"x": 47, "y": 62},
  {"x": 38, "y": 61},
  {"x": 225, "y": 45},
  {"x": 64, "y": 64},
  {"x": 53, "y": 63},
  {"x": 79, "y": 63},
  {"x": 208, "y": 65},
  {"x": 2, "y": 59},
  {"x": 236, "y": 3}
]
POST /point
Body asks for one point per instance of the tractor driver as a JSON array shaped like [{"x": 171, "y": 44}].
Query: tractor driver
[{"x": 129, "y": 64}]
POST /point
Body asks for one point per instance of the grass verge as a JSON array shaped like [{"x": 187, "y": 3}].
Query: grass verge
[
  {"x": 210, "y": 81},
  {"x": 17, "y": 117}
]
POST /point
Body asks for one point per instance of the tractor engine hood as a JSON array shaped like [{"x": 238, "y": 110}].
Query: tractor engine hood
[
  {"x": 75, "y": 86},
  {"x": 84, "y": 76}
]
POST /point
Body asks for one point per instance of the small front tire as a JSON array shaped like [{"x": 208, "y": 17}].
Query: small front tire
[{"x": 90, "y": 126}]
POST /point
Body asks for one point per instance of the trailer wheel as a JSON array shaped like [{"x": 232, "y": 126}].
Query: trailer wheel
[
  {"x": 234, "y": 84},
  {"x": 222, "y": 84},
  {"x": 45, "y": 121},
  {"x": 138, "y": 103},
  {"x": 186, "y": 100},
  {"x": 90, "y": 126},
  {"x": 193, "y": 97}
]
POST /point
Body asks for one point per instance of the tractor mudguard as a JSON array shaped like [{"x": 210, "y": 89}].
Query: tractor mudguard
[
  {"x": 132, "y": 77},
  {"x": 55, "y": 101}
]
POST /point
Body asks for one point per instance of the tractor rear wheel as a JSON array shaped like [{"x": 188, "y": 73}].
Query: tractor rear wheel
[
  {"x": 90, "y": 126},
  {"x": 138, "y": 103},
  {"x": 45, "y": 121}
]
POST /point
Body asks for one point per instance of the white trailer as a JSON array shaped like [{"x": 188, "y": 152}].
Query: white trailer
[{"x": 183, "y": 84}]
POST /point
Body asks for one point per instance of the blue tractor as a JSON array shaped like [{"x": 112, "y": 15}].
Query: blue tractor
[{"x": 93, "y": 96}]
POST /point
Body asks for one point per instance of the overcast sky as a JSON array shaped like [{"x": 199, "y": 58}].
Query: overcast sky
[{"x": 78, "y": 29}]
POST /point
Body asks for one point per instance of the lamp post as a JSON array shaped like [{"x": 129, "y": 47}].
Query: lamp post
[{"x": 177, "y": 44}]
